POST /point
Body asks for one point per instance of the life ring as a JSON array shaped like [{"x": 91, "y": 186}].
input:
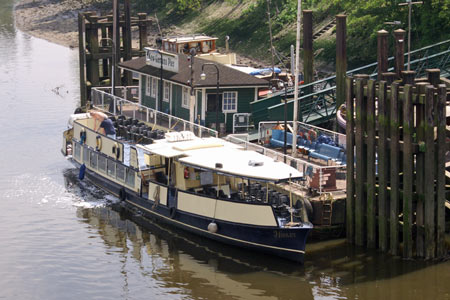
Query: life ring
[
  {"x": 172, "y": 212},
  {"x": 312, "y": 135},
  {"x": 98, "y": 143},
  {"x": 82, "y": 136},
  {"x": 116, "y": 150},
  {"x": 122, "y": 194}
]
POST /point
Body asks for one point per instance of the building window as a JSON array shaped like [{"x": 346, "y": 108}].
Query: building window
[
  {"x": 154, "y": 87},
  {"x": 148, "y": 85},
  {"x": 229, "y": 102},
  {"x": 185, "y": 98},
  {"x": 166, "y": 91}
]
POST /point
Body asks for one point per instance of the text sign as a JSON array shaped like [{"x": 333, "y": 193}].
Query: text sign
[{"x": 169, "y": 60}]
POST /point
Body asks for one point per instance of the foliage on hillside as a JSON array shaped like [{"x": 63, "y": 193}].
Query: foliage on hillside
[{"x": 250, "y": 34}]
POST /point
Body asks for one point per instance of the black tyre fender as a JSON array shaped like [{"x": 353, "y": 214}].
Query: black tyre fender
[
  {"x": 308, "y": 208},
  {"x": 122, "y": 194},
  {"x": 98, "y": 141}
]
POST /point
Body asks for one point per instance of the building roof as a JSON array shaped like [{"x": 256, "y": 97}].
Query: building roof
[{"x": 227, "y": 76}]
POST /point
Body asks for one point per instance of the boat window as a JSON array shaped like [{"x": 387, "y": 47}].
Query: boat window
[
  {"x": 130, "y": 177},
  {"x": 93, "y": 160},
  {"x": 102, "y": 163},
  {"x": 120, "y": 172},
  {"x": 77, "y": 151},
  {"x": 85, "y": 155},
  {"x": 111, "y": 168}
]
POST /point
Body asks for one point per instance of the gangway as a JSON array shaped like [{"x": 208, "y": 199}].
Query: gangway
[{"x": 319, "y": 106}]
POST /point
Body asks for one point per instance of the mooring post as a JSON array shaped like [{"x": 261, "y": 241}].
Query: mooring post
[
  {"x": 383, "y": 164},
  {"x": 434, "y": 76},
  {"x": 82, "y": 58},
  {"x": 389, "y": 77},
  {"x": 430, "y": 207},
  {"x": 308, "y": 58},
  {"x": 126, "y": 34},
  {"x": 142, "y": 31},
  {"x": 371, "y": 202},
  {"x": 408, "y": 77},
  {"x": 361, "y": 160},
  {"x": 94, "y": 68},
  {"x": 420, "y": 168},
  {"x": 408, "y": 172},
  {"x": 394, "y": 158},
  {"x": 399, "y": 35},
  {"x": 382, "y": 53},
  {"x": 116, "y": 39},
  {"x": 440, "y": 170},
  {"x": 341, "y": 58},
  {"x": 350, "y": 143}
]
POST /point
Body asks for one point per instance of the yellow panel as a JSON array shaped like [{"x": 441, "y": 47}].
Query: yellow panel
[
  {"x": 245, "y": 213},
  {"x": 202, "y": 206},
  {"x": 153, "y": 191}
]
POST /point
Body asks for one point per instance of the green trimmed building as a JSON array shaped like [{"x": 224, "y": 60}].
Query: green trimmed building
[{"x": 236, "y": 89}]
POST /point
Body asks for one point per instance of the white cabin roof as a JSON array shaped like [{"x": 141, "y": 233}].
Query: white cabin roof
[{"x": 224, "y": 157}]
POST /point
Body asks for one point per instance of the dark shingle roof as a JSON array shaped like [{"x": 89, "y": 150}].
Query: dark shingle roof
[{"x": 227, "y": 76}]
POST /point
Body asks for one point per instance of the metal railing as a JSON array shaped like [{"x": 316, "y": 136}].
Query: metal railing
[
  {"x": 102, "y": 99},
  {"x": 317, "y": 177}
]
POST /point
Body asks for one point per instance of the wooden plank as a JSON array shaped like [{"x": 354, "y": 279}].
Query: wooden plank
[
  {"x": 383, "y": 159},
  {"x": 420, "y": 169},
  {"x": 408, "y": 162},
  {"x": 360, "y": 163},
  {"x": 371, "y": 203},
  {"x": 440, "y": 176},
  {"x": 350, "y": 134},
  {"x": 394, "y": 165},
  {"x": 430, "y": 237}
]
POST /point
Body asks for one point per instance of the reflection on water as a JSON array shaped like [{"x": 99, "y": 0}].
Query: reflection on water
[{"x": 182, "y": 263}]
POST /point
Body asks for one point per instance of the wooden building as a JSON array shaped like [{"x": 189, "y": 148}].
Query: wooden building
[{"x": 236, "y": 89}]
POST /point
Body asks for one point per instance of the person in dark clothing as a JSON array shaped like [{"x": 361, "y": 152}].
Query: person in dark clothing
[{"x": 106, "y": 126}]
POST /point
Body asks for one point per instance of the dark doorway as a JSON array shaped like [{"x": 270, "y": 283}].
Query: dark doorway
[{"x": 211, "y": 102}]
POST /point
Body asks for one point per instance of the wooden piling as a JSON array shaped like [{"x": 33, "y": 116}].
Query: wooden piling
[
  {"x": 382, "y": 53},
  {"x": 389, "y": 77},
  {"x": 399, "y": 35},
  {"x": 434, "y": 76},
  {"x": 350, "y": 144},
  {"x": 394, "y": 166},
  {"x": 341, "y": 58},
  {"x": 420, "y": 168},
  {"x": 408, "y": 162},
  {"x": 93, "y": 64},
  {"x": 430, "y": 243},
  {"x": 440, "y": 170},
  {"x": 408, "y": 77},
  {"x": 82, "y": 58},
  {"x": 361, "y": 173},
  {"x": 383, "y": 163},
  {"x": 126, "y": 32},
  {"x": 142, "y": 31},
  {"x": 371, "y": 202},
  {"x": 308, "y": 57}
]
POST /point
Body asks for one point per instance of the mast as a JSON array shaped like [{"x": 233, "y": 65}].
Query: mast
[{"x": 297, "y": 58}]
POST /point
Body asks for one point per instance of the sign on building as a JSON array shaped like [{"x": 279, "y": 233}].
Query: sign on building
[{"x": 169, "y": 60}]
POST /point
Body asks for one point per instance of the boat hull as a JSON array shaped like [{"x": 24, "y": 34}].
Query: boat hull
[{"x": 288, "y": 243}]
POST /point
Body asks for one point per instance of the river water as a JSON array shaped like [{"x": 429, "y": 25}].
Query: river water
[{"x": 60, "y": 238}]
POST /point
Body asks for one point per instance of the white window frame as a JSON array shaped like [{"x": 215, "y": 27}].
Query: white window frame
[
  {"x": 154, "y": 87},
  {"x": 148, "y": 85},
  {"x": 185, "y": 95},
  {"x": 166, "y": 95},
  {"x": 224, "y": 98}
]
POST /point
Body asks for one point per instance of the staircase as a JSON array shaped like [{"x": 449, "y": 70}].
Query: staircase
[{"x": 324, "y": 29}]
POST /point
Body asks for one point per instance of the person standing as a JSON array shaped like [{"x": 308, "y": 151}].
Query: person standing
[{"x": 105, "y": 126}]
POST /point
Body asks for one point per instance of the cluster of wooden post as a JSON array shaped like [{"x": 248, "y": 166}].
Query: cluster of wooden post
[
  {"x": 96, "y": 42},
  {"x": 396, "y": 163}
]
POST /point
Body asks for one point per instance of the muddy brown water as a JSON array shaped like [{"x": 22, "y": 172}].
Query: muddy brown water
[{"x": 64, "y": 239}]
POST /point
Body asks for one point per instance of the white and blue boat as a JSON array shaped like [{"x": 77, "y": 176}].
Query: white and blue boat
[{"x": 207, "y": 186}]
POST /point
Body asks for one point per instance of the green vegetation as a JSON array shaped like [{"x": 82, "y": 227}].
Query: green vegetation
[{"x": 250, "y": 34}]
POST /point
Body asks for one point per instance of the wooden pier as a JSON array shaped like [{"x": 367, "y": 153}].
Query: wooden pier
[
  {"x": 96, "y": 43},
  {"x": 396, "y": 141}
]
